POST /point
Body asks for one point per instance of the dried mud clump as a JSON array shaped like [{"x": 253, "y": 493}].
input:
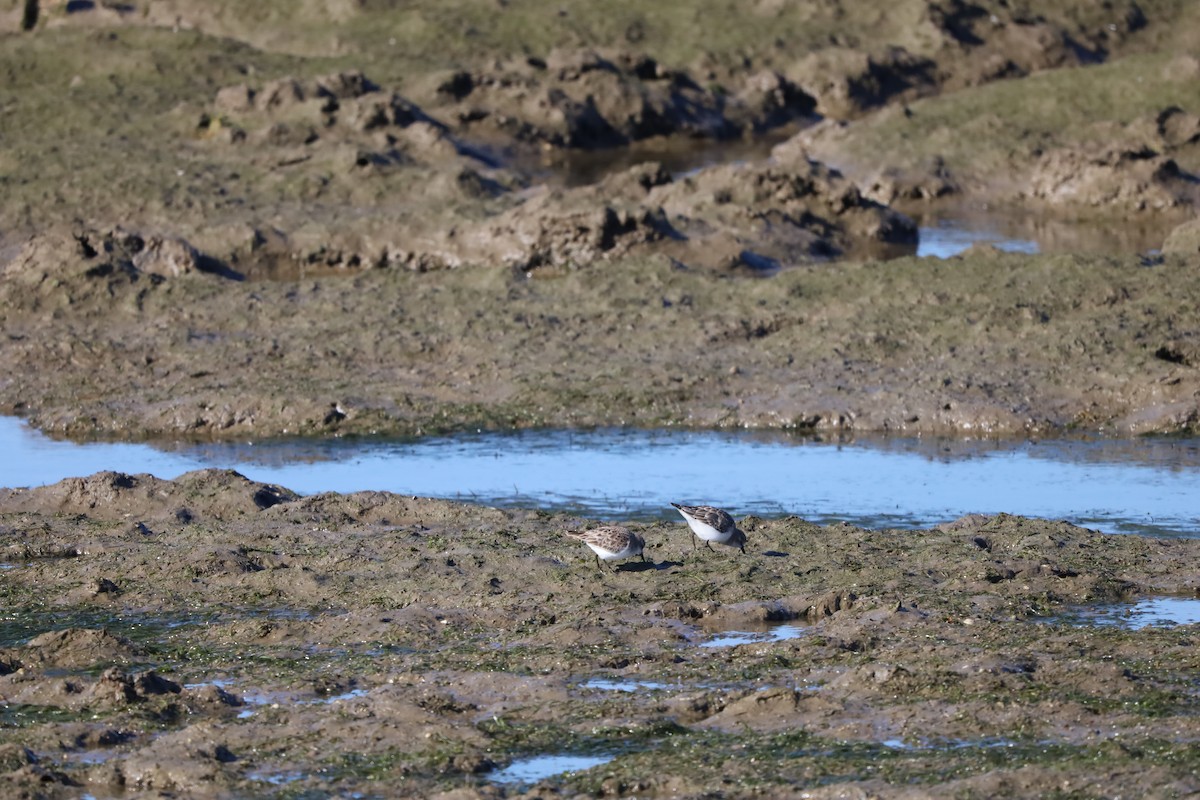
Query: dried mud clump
[
  {"x": 849, "y": 82},
  {"x": 593, "y": 99},
  {"x": 98, "y": 254},
  {"x": 761, "y": 217},
  {"x": 116, "y": 496},
  {"x": 379, "y": 142},
  {"x": 1113, "y": 178}
]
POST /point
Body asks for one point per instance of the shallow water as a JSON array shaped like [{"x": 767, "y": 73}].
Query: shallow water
[
  {"x": 950, "y": 237},
  {"x": 606, "y": 685},
  {"x": 532, "y": 770},
  {"x": 948, "y": 744},
  {"x": 950, "y": 230},
  {"x": 776, "y": 633},
  {"x": 1157, "y": 611},
  {"x": 1115, "y": 485}
]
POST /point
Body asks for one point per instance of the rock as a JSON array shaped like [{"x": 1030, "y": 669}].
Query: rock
[
  {"x": 14, "y": 756},
  {"x": 181, "y": 760},
  {"x": 1177, "y": 127}
]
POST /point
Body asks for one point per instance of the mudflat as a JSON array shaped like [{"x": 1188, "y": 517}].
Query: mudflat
[
  {"x": 243, "y": 221},
  {"x": 216, "y": 637}
]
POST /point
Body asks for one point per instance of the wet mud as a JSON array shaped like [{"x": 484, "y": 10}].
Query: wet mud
[
  {"x": 255, "y": 239},
  {"x": 243, "y": 221},
  {"x": 218, "y": 637}
]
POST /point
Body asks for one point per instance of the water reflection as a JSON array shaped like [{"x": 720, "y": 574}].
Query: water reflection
[
  {"x": 948, "y": 238},
  {"x": 1160, "y": 611},
  {"x": 622, "y": 686},
  {"x": 1131, "y": 486},
  {"x": 949, "y": 230},
  {"x": 532, "y": 770},
  {"x": 776, "y": 633}
]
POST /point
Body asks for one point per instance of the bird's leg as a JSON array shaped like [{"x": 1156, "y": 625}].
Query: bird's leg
[
  {"x": 708, "y": 544},
  {"x": 693, "y": 543},
  {"x": 643, "y": 557}
]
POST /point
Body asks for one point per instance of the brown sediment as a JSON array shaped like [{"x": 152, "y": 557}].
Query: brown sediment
[
  {"x": 336, "y": 641},
  {"x": 254, "y": 220}
]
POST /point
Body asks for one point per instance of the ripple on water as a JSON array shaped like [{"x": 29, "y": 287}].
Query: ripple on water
[
  {"x": 1157, "y": 611},
  {"x": 537, "y": 768}
]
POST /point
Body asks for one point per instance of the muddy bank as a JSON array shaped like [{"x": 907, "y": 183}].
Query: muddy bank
[
  {"x": 988, "y": 343},
  {"x": 136, "y": 197},
  {"x": 214, "y": 636},
  {"x": 1120, "y": 140},
  {"x": 415, "y": 146}
]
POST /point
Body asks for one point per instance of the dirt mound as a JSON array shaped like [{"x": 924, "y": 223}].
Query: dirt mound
[
  {"x": 602, "y": 99},
  {"x": 73, "y": 648},
  {"x": 1184, "y": 239},
  {"x": 115, "y": 496},
  {"x": 1113, "y": 178}
]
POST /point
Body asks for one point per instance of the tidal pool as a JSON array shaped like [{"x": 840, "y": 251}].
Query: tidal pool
[
  {"x": 776, "y": 633},
  {"x": 1145, "y": 485},
  {"x": 949, "y": 237},
  {"x": 1159, "y": 611},
  {"x": 532, "y": 770}
]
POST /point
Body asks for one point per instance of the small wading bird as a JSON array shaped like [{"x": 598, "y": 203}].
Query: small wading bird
[
  {"x": 712, "y": 525},
  {"x": 612, "y": 542}
]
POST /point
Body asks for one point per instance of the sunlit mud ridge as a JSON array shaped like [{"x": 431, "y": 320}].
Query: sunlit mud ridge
[
  {"x": 203, "y": 635},
  {"x": 986, "y": 344}
]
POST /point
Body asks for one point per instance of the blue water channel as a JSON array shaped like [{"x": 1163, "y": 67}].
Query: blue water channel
[{"x": 1147, "y": 485}]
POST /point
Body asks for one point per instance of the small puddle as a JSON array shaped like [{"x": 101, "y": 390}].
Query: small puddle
[
  {"x": 622, "y": 686},
  {"x": 538, "y": 768},
  {"x": 277, "y": 699},
  {"x": 1159, "y": 611},
  {"x": 948, "y": 231},
  {"x": 947, "y": 744},
  {"x": 276, "y": 778},
  {"x": 776, "y": 633},
  {"x": 949, "y": 238},
  {"x": 90, "y": 758},
  {"x": 220, "y": 683}
]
